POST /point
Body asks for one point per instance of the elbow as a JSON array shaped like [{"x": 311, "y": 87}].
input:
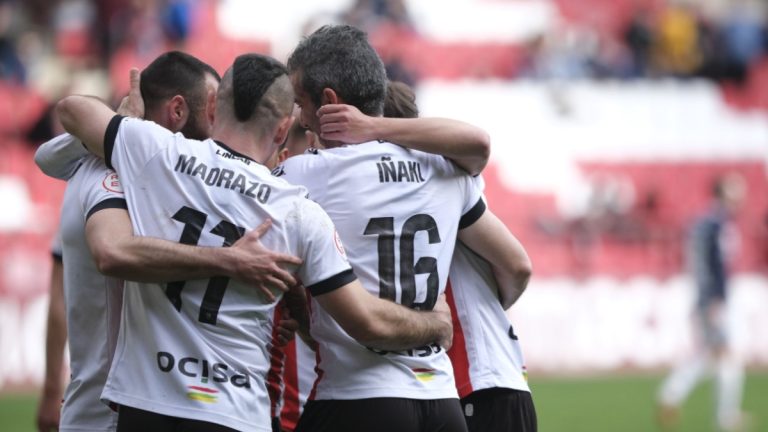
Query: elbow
[
  {"x": 483, "y": 146},
  {"x": 64, "y": 110},
  {"x": 42, "y": 161},
  {"x": 523, "y": 268},
  {"x": 109, "y": 261}
]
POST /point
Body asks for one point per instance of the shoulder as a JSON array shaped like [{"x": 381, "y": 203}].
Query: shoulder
[
  {"x": 300, "y": 165},
  {"x": 308, "y": 216}
]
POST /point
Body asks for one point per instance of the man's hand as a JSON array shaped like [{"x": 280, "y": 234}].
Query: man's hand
[
  {"x": 443, "y": 313},
  {"x": 49, "y": 412},
  {"x": 133, "y": 105},
  {"x": 345, "y": 123},
  {"x": 286, "y": 328},
  {"x": 260, "y": 267}
]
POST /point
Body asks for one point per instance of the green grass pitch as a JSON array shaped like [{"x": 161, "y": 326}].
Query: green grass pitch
[{"x": 615, "y": 403}]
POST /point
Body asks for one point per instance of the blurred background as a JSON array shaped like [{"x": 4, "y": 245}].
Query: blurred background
[{"x": 609, "y": 119}]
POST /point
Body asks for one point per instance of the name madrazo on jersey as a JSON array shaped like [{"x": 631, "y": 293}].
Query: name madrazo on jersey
[{"x": 222, "y": 177}]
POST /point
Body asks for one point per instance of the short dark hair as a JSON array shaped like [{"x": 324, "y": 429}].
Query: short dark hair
[
  {"x": 256, "y": 89},
  {"x": 400, "y": 101},
  {"x": 341, "y": 58},
  {"x": 175, "y": 73},
  {"x": 252, "y": 75}
]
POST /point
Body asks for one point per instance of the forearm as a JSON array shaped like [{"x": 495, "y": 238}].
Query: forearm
[
  {"x": 86, "y": 118},
  {"x": 398, "y": 328},
  {"x": 468, "y": 146},
  {"x": 511, "y": 266},
  {"x": 383, "y": 324},
  {"x": 56, "y": 336},
  {"x": 60, "y": 156},
  {"x": 148, "y": 259}
]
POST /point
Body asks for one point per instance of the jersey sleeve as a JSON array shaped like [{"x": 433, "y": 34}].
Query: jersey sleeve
[
  {"x": 60, "y": 156},
  {"x": 325, "y": 266},
  {"x": 308, "y": 170},
  {"x": 130, "y": 143},
  {"x": 474, "y": 204},
  {"x": 101, "y": 189}
]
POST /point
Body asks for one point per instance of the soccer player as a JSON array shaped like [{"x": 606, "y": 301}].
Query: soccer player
[
  {"x": 194, "y": 355},
  {"x": 49, "y": 408},
  {"x": 486, "y": 356},
  {"x": 97, "y": 235},
  {"x": 398, "y": 211},
  {"x": 708, "y": 256}
]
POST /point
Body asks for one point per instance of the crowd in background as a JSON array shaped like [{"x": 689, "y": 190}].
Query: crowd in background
[
  {"x": 46, "y": 44},
  {"x": 678, "y": 40}
]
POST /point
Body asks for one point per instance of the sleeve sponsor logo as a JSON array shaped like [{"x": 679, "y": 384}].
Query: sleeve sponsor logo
[
  {"x": 111, "y": 183},
  {"x": 339, "y": 245}
]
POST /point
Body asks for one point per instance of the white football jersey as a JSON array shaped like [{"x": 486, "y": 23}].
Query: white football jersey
[
  {"x": 486, "y": 352},
  {"x": 198, "y": 349},
  {"x": 92, "y": 300},
  {"x": 397, "y": 212}
]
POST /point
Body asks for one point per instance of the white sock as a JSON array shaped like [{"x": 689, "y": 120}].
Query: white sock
[
  {"x": 679, "y": 384},
  {"x": 730, "y": 382}
]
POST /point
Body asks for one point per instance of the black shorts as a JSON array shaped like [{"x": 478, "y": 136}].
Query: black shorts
[
  {"x": 382, "y": 415},
  {"x": 132, "y": 419},
  {"x": 499, "y": 409}
]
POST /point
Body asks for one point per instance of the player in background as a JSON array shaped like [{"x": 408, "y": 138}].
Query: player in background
[
  {"x": 201, "y": 365},
  {"x": 395, "y": 208},
  {"x": 710, "y": 247},
  {"x": 486, "y": 355},
  {"x": 49, "y": 407},
  {"x": 97, "y": 235}
]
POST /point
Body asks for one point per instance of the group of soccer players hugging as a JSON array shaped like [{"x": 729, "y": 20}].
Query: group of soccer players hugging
[{"x": 283, "y": 248}]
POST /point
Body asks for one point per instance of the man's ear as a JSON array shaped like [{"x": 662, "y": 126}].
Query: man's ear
[
  {"x": 178, "y": 113},
  {"x": 282, "y": 155},
  {"x": 210, "y": 106},
  {"x": 282, "y": 129},
  {"x": 329, "y": 96}
]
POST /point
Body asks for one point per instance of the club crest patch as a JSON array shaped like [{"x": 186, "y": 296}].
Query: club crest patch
[
  {"x": 339, "y": 245},
  {"x": 112, "y": 183}
]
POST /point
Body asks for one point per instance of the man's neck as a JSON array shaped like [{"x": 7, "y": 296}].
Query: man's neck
[{"x": 242, "y": 143}]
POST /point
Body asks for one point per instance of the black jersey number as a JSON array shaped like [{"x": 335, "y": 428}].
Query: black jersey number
[
  {"x": 384, "y": 227},
  {"x": 194, "y": 221}
]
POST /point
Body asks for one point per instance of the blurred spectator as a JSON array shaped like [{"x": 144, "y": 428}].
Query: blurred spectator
[
  {"x": 369, "y": 14},
  {"x": 677, "y": 50},
  {"x": 177, "y": 20},
  {"x": 11, "y": 67},
  {"x": 638, "y": 36},
  {"x": 73, "y": 22},
  {"x": 563, "y": 55},
  {"x": 742, "y": 33}
]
